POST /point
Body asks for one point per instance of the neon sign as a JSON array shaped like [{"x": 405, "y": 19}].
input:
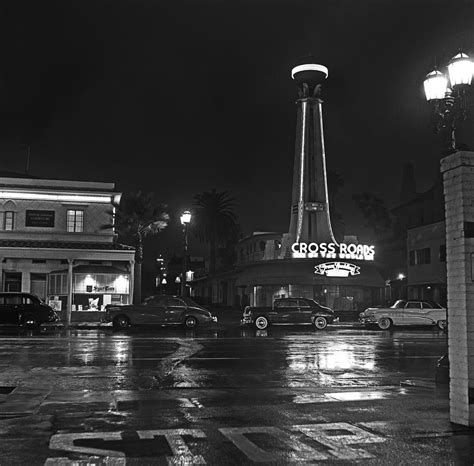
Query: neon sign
[
  {"x": 336, "y": 269},
  {"x": 333, "y": 251}
]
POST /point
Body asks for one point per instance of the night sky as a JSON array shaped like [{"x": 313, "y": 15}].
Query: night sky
[{"x": 183, "y": 96}]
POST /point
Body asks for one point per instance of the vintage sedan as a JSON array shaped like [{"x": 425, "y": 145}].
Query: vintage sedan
[
  {"x": 159, "y": 310},
  {"x": 289, "y": 311},
  {"x": 405, "y": 312},
  {"x": 25, "y": 310}
]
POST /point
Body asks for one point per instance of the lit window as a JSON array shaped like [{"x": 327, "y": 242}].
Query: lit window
[
  {"x": 75, "y": 220},
  {"x": 8, "y": 220}
]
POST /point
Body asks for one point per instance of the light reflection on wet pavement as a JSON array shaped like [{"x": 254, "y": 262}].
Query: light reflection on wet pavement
[{"x": 223, "y": 397}]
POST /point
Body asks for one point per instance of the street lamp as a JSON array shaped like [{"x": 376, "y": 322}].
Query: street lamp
[
  {"x": 448, "y": 94},
  {"x": 185, "y": 221}
]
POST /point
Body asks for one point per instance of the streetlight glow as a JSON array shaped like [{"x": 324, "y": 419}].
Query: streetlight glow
[
  {"x": 460, "y": 69},
  {"x": 435, "y": 85},
  {"x": 185, "y": 217}
]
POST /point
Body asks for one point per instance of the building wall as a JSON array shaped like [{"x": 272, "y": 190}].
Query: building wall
[{"x": 427, "y": 280}]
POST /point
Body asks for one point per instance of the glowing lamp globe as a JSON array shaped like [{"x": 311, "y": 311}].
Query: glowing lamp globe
[
  {"x": 309, "y": 73},
  {"x": 186, "y": 217},
  {"x": 435, "y": 85},
  {"x": 460, "y": 69}
]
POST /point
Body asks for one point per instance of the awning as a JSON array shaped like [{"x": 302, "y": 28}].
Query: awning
[{"x": 301, "y": 272}]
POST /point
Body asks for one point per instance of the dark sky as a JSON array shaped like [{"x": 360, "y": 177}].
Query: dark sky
[{"x": 182, "y": 96}]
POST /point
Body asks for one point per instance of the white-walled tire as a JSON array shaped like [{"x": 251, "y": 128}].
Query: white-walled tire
[
  {"x": 384, "y": 323},
  {"x": 320, "y": 322},
  {"x": 190, "y": 322},
  {"x": 441, "y": 324},
  {"x": 121, "y": 322},
  {"x": 261, "y": 322}
]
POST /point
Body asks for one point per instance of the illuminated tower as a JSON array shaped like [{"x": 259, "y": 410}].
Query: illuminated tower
[{"x": 310, "y": 220}]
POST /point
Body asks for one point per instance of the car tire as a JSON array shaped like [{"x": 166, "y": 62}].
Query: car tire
[
  {"x": 320, "y": 323},
  {"x": 261, "y": 323},
  {"x": 29, "y": 321},
  {"x": 190, "y": 322},
  {"x": 121, "y": 322},
  {"x": 442, "y": 324},
  {"x": 384, "y": 323}
]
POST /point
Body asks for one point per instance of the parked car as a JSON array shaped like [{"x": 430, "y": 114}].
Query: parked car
[
  {"x": 25, "y": 309},
  {"x": 286, "y": 311},
  {"x": 159, "y": 310},
  {"x": 405, "y": 312}
]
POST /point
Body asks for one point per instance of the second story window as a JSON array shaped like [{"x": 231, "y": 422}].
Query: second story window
[
  {"x": 75, "y": 221},
  {"x": 8, "y": 220}
]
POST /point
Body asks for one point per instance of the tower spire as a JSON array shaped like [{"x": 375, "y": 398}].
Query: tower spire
[{"x": 310, "y": 219}]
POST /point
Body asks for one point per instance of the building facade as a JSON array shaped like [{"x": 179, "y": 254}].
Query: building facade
[
  {"x": 307, "y": 261},
  {"x": 54, "y": 243}
]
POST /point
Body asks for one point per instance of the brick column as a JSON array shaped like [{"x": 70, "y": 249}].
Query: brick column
[{"x": 458, "y": 179}]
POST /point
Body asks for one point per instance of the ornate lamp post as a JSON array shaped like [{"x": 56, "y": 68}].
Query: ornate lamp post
[
  {"x": 448, "y": 94},
  {"x": 185, "y": 221}
]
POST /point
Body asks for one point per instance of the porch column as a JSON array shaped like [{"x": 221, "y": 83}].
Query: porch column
[
  {"x": 132, "y": 280},
  {"x": 69, "y": 290}
]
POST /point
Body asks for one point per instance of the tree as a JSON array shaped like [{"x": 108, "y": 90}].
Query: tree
[
  {"x": 137, "y": 216},
  {"x": 375, "y": 212},
  {"x": 214, "y": 221}
]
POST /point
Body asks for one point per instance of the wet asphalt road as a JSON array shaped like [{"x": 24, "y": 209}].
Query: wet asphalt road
[{"x": 226, "y": 396}]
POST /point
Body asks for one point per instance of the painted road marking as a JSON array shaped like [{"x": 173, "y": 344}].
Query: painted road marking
[
  {"x": 281, "y": 444},
  {"x": 339, "y": 436},
  {"x": 298, "y": 451}
]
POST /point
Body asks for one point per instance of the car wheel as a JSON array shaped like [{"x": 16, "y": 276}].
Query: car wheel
[
  {"x": 190, "y": 322},
  {"x": 29, "y": 321},
  {"x": 261, "y": 322},
  {"x": 384, "y": 323},
  {"x": 441, "y": 324},
  {"x": 121, "y": 322},
  {"x": 320, "y": 322}
]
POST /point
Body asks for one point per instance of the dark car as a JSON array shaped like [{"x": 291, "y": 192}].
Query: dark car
[
  {"x": 289, "y": 311},
  {"x": 159, "y": 310},
  {"x": 25, "y": 309}
]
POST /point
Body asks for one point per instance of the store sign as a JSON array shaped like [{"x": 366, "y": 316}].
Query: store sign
[
  {"x": 333, "y": 251},
  {"x": 336, "y": 269},
  {"x": 40, "y": 218},
  {"x": 104, "y": 288}
]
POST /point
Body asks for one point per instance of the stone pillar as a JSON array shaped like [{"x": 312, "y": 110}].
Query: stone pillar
[{"x": 458, "y": 179}]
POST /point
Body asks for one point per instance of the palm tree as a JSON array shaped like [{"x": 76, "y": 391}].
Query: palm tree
[
  {"x": 215, "y": 221},
  {"x": 137, "y": 216}
]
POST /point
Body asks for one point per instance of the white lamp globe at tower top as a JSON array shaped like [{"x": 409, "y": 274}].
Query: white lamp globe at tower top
[
  {"x": 435, "y": 85},
  {"x": 185, "y": 217},
  {"x": 460, "y": 69}
]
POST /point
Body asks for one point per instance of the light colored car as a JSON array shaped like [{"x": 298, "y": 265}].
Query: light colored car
[{"x": 405, "y": 312}]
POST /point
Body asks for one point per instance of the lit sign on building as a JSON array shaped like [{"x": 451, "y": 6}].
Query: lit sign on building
[
  {"x": 333, "y": 251},
  {"x": 336, "y": 269}
]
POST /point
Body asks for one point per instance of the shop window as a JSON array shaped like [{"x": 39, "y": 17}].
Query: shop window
[
  {"x": 412, "y": 257},
  {"x": 8, "y": 220},
  {"x": 57, "y": 284},
  {"x": 75, "y": 221}
]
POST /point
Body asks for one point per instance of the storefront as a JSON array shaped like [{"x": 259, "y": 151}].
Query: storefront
[{"x": 93, "y": 287}]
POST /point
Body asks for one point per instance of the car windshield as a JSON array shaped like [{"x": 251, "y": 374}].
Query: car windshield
[{"x": 398, "y": 304}]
